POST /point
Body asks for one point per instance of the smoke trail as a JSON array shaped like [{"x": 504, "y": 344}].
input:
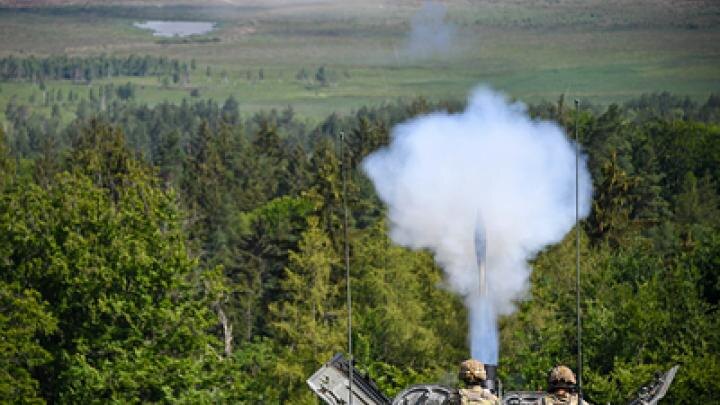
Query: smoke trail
[
  {"x": 430, "y": 32},
  {"x": 442, "y": 172},
  {"x": 483, "y": 328}
]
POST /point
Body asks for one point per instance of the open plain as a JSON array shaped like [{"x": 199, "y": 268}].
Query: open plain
[{"x": 267, "y": 54}]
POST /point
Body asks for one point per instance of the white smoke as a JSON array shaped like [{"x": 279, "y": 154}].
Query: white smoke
[
  {"x": 443, "y": 175},
  {"x": 430, "y": 32}
]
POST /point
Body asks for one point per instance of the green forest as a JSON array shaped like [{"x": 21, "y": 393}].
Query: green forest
[{"x": 188, "y": 253}]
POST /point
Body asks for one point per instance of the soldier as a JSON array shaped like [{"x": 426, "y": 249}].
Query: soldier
[
  {"x": 562, "y": 387},
  {"x": 472, "y": 372}
]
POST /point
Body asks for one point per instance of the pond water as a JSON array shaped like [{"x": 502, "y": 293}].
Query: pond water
[{"x": 176, "y": 28}]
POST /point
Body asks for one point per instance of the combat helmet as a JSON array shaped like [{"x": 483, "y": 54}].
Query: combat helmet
[
  {"x": 561, "y": 377},
  {"x": 472, "y": 372}
]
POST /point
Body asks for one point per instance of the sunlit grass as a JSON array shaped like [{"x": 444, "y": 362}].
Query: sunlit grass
[{"x": 533, "y": 51}]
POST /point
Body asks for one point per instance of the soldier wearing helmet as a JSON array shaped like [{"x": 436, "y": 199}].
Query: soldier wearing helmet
[
  {"x": 562, "y": 387},
  {"x": 472, "y": 373}
]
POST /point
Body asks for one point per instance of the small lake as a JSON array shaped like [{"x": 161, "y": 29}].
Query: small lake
[{"x": 176, "y": 28}]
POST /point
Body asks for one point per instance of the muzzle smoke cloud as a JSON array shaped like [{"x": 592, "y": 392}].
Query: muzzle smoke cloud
[{"x": 490, "y": 167}]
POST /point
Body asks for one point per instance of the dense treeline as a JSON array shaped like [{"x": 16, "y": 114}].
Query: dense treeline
[
  {"x": 188, "y": 253},
  {"x": 87, "y": 68}
]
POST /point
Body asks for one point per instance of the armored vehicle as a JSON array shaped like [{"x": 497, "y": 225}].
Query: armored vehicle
[{"x": 332, "y": 384}]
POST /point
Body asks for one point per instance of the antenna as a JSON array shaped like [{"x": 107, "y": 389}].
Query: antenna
[
  {"x": 343, "y": 173},
  {"x": 577, "y": 253}
]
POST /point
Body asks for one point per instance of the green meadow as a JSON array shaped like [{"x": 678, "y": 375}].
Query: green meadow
[{"x": 600, "y": 51}]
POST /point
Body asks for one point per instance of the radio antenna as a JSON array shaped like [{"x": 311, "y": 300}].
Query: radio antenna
[
  {"x": 343, "y": 176},
  {"x": 577, "y": 253}
]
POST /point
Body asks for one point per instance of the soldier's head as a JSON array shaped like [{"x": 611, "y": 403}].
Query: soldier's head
[
  {"x": 472, "y": 372},
  {"x": 561, "y": 378}
]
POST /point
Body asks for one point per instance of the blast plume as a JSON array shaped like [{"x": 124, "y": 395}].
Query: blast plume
[{"x": 491, "y": 167}]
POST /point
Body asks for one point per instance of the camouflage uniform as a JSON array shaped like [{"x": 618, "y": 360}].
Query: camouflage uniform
[
  {"x": 561, "y": 383},
  {"x": 556, "y": 399},
  {"x": 477, "y": 395},
  {"x": 472, "y": 372}
]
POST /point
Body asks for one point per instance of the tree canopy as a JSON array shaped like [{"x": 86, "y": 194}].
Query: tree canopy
[{"x": 189, "y": 253}]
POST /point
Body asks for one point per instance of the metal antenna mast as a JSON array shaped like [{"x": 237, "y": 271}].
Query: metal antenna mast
[
  {"x": 347, "y": 264},
  {"x": 577, "y": 253}
]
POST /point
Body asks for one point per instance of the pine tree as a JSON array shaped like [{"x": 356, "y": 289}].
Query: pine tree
[
  {"x": 309, "y": 321},
  {"x": 650, "y": 207},
  {"x": 202, "y": 186},
  {"x": 7, "y": 169},
  {"x": 99, "y": 152},
  {"x": 326, "y": 189},
  {"x": 399, "y": 307},
  {"x": 611, "y": 206},
  {"x": 697, "y": 207}
]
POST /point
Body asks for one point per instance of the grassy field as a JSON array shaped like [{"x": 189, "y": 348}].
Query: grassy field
[{"x": 599, "y": 50}]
